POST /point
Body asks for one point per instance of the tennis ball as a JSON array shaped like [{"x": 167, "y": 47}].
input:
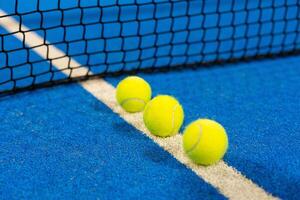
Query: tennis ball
[
  {"x": 163, "y": 116},
  {"x": 205, "y": 141},
  {"x": 133, "y": 93}
]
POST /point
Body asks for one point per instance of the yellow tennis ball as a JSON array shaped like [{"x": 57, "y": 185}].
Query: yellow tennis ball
[
  {"x": 205, "y": 141},
  {"x": 133, "y": 93},
  {"x": 163, "y": 116}
]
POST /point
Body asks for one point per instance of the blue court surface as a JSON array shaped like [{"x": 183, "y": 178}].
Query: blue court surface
[{"x": 63, "y": 143}]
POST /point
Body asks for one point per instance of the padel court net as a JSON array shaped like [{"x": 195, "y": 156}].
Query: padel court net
[{"x": 121, "y": 36}]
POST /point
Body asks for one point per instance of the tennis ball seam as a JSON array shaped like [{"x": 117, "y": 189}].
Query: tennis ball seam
[
  {"x": 133, "y": 93},
  {"x": 198, "y": 140},
  {"x": 129, "y": 99},
  {"x": 173, "y": 119},
  {"x": 173, "y": 122}
]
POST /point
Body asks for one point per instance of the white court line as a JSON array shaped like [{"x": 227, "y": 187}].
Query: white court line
[
  {"x": 226, "y": 179},
  {"x": 48, "y": 52}
]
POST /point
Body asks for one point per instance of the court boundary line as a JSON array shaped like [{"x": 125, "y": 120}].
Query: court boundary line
[{"x": 226, "y": 179}]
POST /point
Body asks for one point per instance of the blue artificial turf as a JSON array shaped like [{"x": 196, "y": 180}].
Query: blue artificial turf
[
  {"x": 51, "y": 141},
  {"x": 62, "y": 143},
  {"x": 258, "y": 103}
]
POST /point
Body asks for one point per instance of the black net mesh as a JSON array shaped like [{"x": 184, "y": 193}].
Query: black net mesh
[{"x": 114, "y": 36}]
